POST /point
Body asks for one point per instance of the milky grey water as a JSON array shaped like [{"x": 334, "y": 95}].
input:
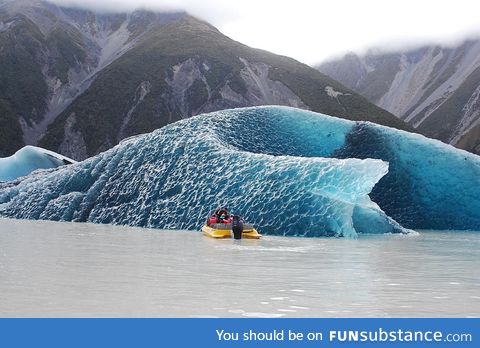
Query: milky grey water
[{"x": 84, "y": 270}]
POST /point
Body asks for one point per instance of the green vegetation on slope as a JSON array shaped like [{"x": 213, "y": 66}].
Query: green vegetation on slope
[
  {"x": 10, "y": 131},
  {"x": 22, "y": 85},
  {"x": 26, "y": 56},
  {"x": 66, "y": 50}
]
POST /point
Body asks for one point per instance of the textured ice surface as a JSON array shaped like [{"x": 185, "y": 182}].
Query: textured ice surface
[
  {"x": 288, "y": 171},
  {"x": 28, "y": 159},
  {"x": 264, "y": 163}
]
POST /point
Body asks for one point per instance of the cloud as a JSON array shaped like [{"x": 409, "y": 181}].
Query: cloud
[
  {"x": 216, "y": 11},
  {"x": 311, "y": 31}
]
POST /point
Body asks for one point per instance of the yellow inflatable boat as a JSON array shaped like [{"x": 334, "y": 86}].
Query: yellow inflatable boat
[{"x": 225, "y": 231}]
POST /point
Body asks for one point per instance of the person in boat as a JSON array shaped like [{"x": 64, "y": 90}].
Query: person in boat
[
  {"x": 225, "y": 218},
  {"x": 221, "y": 216}
]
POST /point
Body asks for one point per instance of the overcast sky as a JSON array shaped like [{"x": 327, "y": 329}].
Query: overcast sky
[{"x": 312, "y": 31}]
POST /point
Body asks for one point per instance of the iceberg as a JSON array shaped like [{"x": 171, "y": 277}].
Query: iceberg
[
  {"x": 289, "y": 171},
  {"x": 28, "y": 159}
]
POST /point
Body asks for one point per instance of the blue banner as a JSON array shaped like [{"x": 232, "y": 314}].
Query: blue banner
[{"x": 239, "y": 333}]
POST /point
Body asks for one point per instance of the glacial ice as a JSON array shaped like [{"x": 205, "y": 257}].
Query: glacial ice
[
  {"x": 289, "y": 171},
  {"x": 28, "y": 159}
]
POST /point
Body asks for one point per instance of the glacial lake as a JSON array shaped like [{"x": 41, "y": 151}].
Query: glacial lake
[{"x": 51, "y": 269}]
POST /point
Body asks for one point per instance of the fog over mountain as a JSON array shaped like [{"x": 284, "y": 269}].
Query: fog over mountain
[{"x": 311, "y": 31}]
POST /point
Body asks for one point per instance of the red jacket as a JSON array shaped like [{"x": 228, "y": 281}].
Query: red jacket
[
  {"x": 214, "y": 220},
  {"x": 228, "y": 221}
]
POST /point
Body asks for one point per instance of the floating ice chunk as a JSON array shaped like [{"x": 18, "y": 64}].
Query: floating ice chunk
[{"x": 28, "y": 159}]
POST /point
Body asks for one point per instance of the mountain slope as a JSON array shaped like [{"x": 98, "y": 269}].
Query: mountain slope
[
  {"x": 49, "y": 55},
  {"x": 181, "y": 75},
  {"x": 436, "y": 89},
  {"x": 104, "y": 77}
]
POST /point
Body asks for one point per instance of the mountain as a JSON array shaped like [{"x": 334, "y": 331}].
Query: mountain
[
  {"x": 50, "y": 55},
  {"x": 434, "y": 88},
  {"x": 77, "y": 82}
]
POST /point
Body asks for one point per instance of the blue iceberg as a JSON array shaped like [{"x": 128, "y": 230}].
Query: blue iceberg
[
  {"x": 289, "y": 171},
  {"x": 28, "y": 159}
]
